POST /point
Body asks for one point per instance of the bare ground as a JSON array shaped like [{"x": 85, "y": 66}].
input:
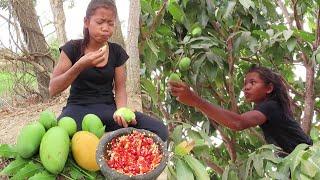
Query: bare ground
[{"x": 13, "y": 118}]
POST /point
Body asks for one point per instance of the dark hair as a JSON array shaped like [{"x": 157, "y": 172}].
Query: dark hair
[
  {"x": 280, "y": 91},
  {"x": 93, "y": 5}
]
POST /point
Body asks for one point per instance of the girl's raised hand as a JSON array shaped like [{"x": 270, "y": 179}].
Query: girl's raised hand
[
  {"x": 183, "y": 93},
  {"x": 91, "y": 59}
]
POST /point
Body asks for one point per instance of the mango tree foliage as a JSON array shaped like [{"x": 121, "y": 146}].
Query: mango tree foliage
[{"x": 222, "y": 39}]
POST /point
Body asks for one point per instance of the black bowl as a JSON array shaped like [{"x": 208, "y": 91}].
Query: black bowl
[{"x": 111, "y": 174}]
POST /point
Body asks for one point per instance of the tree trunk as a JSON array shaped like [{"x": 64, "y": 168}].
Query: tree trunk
[
  {"x": 133, "y": 64},
  {"x": 36, "y": 43},
  {"x": 59, "y": 20},
  {"x": 117, "y": 36},
  {"x": 309, "y": 99}
]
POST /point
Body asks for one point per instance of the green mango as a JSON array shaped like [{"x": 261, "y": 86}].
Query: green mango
[
  {"x": 29, "y": 139},
  {"x": 54, "y": 149},
  {"x": 126, "y": 113},
  {"x": 48, "y": 119}
]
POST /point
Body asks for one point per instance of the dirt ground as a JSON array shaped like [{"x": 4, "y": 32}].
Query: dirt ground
[{"x": 13, "y": 118}]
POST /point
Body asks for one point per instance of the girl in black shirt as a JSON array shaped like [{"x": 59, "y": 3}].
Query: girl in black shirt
[
  {"x": 272, "y": 111},
  {"x": 93, "y": 71}
]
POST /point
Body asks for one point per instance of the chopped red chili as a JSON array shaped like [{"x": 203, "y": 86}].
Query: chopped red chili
[{"x": 133, "y": 154}]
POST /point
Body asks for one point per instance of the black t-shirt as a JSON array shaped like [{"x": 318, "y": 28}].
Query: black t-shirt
[
  {"x": 94, "y": 85},
  {"x": 280, "y": 129}
]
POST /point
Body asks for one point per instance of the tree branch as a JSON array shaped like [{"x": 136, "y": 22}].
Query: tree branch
[
  {"x": 285, "y": 12},
  {"x": 213, "y": 166},
  {"x": 228, "y": 142}
]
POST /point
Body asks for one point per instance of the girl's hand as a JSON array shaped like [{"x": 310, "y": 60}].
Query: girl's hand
[
  {"x": 91, "y": 59},
  {"x": 183, "y": 93},
  {"x": 122, "y": 122}
]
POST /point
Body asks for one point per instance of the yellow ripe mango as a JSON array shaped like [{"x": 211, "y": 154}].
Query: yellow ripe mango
[{"x": 83, "y": 147}]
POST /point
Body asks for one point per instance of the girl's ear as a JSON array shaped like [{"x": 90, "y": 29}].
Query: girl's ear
[
  {"x": 86, "y": 22},
  {"x": 270, "y": 88}
]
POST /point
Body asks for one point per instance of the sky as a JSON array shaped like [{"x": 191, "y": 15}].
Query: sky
[{"x": 74, "y": 18}]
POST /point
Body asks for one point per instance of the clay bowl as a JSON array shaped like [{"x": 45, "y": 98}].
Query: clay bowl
[{"x": 113, "y": 174}]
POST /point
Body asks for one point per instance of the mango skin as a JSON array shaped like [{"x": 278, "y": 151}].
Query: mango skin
[
  {"x": 29, "y": 139},
  {"x": 184, "y": 64},
  {"x": 126, "y": 113},
  {"x": 54, "y": 149},
  {"x": 84, "y": 145},
  {"x": 48, "y": 119},
  {"x": 174, "y": 77}
]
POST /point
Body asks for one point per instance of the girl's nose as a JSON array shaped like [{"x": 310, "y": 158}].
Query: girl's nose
[
  {"x": 245, "y": 87},
  {"x": 105, "y": 28}
]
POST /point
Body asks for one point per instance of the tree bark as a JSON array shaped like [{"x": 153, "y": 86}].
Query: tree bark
[
  {"x": 133, "y": 64},
  {"x": 309, "y": 99},
  {"x": 59, "y": 20},
  {"x": 117, "y": 36},
  {"x": 36, "y": 43}
]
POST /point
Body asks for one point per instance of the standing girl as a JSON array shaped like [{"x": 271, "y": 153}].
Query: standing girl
[
  {"x": 94, "y": 70},
  {"x": 272, "y": 111}
]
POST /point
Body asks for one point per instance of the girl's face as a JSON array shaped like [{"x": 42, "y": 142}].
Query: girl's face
[
  {"x": 255, "y": 89},
  {"x": 100, "y": 25}
]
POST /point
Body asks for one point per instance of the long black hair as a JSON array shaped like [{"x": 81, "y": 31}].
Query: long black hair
[
  {"x": 280, "y": 91},
  {"x": 93, "y": 5}
]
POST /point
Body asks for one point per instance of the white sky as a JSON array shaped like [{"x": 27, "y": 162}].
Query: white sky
[{"x": 74, "y": 18}]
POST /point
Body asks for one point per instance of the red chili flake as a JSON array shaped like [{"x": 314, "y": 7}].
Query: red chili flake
[{"x": 133, "y": 154}]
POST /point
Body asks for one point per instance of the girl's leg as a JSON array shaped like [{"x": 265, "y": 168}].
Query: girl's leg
[
  {"x": 152, "y": 124},
  {"x": 105, "y": 113}
]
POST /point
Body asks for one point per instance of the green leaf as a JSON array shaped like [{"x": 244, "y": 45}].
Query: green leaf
[
  {"x": 258, "y": 165},
  {"x": 7, "y": 151},
  {"x": 176, "y": 11},
  {"x": 177, "y": 134},
  {"x": 314, "y": 134},
  {"x": 172, "y": 175},
  {"x": 296, "y": 160},
  {"x": 309, "y": 37},
  {"x": 309, "y": 167},
  {"x": 75, "y": 173},
  {"x": 248, "y": 168},
  {"x": 148, "y": 86},
  {"x": 229, "y": 10},
  {"x": 193, "y": 134},
  {"x": 153, "y": 47},
  {"x": 304, "y": 177},
  {"x": 183, "y": 171},
  {"x": 291, "y": 44},
  {"x": 146, "y": 7},
  {"x": 197, "y": 167},
  {"x": 287, "y": 34},
  {"x": 261, "y": 33},
  {"x": 28, "y": 171},
  {"x": 44, "y": 175},
  {"x": 14, "y": 166},
  {"x": 247, "y": 4}
]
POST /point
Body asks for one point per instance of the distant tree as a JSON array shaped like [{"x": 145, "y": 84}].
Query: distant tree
[
  {"x": 59, "y": 20},
  {"x": 37, "y": 47}
]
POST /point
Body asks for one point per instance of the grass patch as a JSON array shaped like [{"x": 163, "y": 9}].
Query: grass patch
[
  {"x": 6, "y": 84},
  {"x": 7, "y": 81}
]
